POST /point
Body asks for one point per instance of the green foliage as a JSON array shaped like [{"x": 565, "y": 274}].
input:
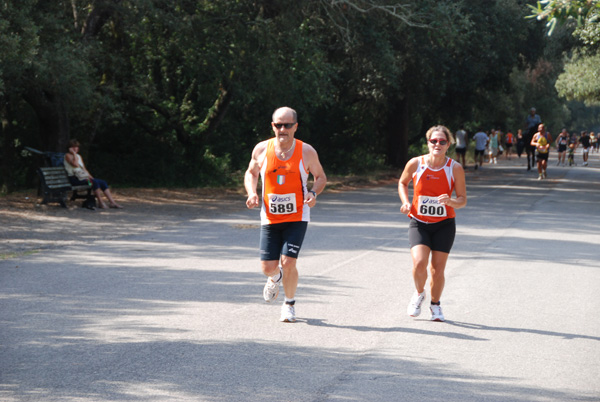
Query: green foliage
[
  {"x": 585, "y": 12},
  {"x": 582, "y": 71},
  {"x": 581, "y": 79},
  {"x": 418, "y": 148},
  {"x": 178, "y": 93}
]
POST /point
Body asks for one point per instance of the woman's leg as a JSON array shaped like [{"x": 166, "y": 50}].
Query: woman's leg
[
  {"x": 98, "y": 194},
  {"x": 112, "y": 201},
  {"x": 438, "y": 280},
  {"x": 100, "y": 186},
  {"x": 420, "y": 256}
]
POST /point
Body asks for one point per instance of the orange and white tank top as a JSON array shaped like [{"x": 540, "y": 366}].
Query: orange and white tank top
[
  {"x": 283, "y": 187},
  {"x": 428, "y": 184}
]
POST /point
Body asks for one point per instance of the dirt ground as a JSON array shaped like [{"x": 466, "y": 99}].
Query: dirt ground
[{"x": 29, "y": 227}]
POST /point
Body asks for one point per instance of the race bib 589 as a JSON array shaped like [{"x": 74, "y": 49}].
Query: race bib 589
[{"x": 282, "y": 203}]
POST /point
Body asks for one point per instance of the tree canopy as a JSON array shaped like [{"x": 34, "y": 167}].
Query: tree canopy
[
  {"x": 177, "y": 93},
  {"x": 581, "y": 77}
]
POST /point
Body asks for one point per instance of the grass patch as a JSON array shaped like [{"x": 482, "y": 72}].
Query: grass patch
[{"x": 18, "y": 254}]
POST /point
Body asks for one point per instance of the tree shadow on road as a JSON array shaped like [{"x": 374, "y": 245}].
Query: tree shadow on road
[{"x": 481, "y": 327}]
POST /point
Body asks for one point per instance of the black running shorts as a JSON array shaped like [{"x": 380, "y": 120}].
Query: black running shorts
[
  {"x": 437, "y": 236},
  {"x": 281, "y": 238},
  {"x": 542, "y": 157}
]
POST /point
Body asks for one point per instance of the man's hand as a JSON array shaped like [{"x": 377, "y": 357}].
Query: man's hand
[
  {"x": 310, "y": 199},
  {"x": 252, "y": 201}
]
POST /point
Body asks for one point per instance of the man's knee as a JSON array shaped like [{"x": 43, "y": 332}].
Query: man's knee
[
  {"x": 288, "y": 262},
  {"x": 270, "y": 268}
]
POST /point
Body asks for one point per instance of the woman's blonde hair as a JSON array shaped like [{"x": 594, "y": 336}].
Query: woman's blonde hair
[{"x": 444, "y": 130}]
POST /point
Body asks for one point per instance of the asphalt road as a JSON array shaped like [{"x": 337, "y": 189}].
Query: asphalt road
[{"x": 177, "y": 314}]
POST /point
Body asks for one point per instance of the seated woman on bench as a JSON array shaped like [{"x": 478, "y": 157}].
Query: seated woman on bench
[{"x": 79, "y": 175}]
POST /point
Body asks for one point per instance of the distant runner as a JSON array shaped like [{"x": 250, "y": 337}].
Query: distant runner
[
  {"x": 541, "y": 141},
  {"x": 532, "y": 121},
  {"x": 585, "y": 142},
  {"x": 562, "y": 141}
]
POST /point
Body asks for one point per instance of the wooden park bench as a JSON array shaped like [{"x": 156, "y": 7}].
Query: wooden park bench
[{"x": 55, "y": 184}]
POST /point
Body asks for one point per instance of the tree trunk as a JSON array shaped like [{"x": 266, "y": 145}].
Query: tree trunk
[
  {"x": 7, "y": 157},
  {"x": 53, "y": 119},
  {"x": 398, "y": 134},
  {"x": 101, "y": 11}
]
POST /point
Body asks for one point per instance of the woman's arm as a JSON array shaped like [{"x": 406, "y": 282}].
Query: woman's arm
[
  {"x": 460, "y": 189},
  {"x": 71, "y": 158},
  {"x": 405, "y": 179}
]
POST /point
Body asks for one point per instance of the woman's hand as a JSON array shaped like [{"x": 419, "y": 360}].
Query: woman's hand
[{"x": 444, "y": 199}]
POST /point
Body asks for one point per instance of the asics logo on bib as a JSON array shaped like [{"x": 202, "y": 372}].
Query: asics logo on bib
[
  {"x": 430, "y": 201},
  {"x": 277, "y": 198}
]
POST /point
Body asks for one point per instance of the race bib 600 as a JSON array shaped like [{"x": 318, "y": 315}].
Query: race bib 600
[{"x": 430, "y": 206}]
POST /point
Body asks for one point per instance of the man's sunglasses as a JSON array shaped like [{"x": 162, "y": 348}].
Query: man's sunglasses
[
  {"x": 286, "y": 125},
  {"x": 442, "y": 142}
]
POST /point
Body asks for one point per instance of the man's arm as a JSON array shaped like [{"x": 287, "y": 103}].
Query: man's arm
[
  {"x": 310, "y": 156},
  {"x": 252, "y": 173},
  {"x": 534, "y": 139}
]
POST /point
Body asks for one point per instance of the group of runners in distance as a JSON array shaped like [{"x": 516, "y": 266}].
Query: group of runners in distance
[
  {"x": 284, "y": 164},
  {"x": 534, "y": 140}
]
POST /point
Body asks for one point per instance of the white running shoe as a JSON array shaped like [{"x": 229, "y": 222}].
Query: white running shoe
[
  {"x": 288, "y": 313},
  {"x": 414, "y": 307},
  {"x": 271, "y": 289},
  {"x": 436, "y": 313}
]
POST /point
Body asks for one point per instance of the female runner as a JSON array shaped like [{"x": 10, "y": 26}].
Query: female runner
[{"x": 432, "y": 228}]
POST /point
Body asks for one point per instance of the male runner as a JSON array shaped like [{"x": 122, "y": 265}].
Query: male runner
[
  {"x": 461, "y": 146},
  {"x": 481, "y": 142},
  {"x": 541, "y": 142},
  {"x": 284, "y": 164},
  {"x": 532, "y": 121},
  {"x": 509, "y": 140},
  {"x": 585, "y": 142}
]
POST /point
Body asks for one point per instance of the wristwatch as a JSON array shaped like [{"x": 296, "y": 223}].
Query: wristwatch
[{"x": 314, "y": 193}]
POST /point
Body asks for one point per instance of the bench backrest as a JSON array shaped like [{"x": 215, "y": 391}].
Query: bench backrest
[{"x": 54, "y": 158}]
